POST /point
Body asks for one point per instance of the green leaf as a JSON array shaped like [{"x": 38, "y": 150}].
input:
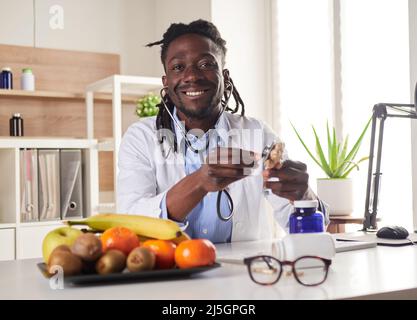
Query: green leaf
[
  {"x": 329, "y": 142},
  {"x": 355, "y": 165},
  {"x": 333, "y": 147},
  {"x": 305, "y": 147},
  {"x": 338, "y": 164},
  {"x": 322, "y": 158},
  {"x": 354, "y": 151}
]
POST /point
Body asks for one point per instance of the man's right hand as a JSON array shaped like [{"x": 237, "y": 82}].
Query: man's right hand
[{"x": 224, "y": 166}]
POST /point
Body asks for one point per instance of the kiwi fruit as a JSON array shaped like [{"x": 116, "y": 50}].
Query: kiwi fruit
[
  {"x": 141, "y": 259},
  {"x": 62, "y": 247},
  {"x": 112, "y": 261},
  {"x": 88, "y": 247},
  {"x": 70, "y": 263}
]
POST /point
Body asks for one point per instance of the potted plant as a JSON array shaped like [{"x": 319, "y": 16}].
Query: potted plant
[
  {"x": 336, "y": 189},
  {"x": 146, "y": 106}
]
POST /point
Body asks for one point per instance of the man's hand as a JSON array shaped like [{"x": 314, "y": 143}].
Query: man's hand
[
  {"x": 293, "y": 181},
  {"x": 224, "y": 166}
]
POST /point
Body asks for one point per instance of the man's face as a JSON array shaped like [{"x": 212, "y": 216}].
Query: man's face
[{"x": 194, "y": 75}]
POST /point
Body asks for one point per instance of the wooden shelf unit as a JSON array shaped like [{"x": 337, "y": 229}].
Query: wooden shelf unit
[{"x": 42, "y": 94}]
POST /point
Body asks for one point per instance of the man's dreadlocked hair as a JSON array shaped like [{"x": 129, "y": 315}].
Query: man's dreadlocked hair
[{"x": 175, "y": 30}]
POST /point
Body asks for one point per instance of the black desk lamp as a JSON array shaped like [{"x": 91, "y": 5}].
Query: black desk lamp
[{"x": 381, "y": 112}]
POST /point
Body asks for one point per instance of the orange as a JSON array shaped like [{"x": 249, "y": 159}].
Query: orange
[
  {"x": 164, "y": 252},
  {"x": 119, "y": 238},
  {"x": 195, "y": 253}
]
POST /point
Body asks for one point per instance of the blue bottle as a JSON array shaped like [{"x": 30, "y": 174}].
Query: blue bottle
[
  {"x": 306, "y": 218},
  {"x": 6, "y": 79}
]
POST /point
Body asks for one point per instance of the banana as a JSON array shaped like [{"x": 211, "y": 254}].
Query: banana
[
  {"x": 141, "y": 225},
  {"x": 181, "y": 238}
]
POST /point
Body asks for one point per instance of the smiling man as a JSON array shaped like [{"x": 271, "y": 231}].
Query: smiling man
[{"x": 197, "y": 162}]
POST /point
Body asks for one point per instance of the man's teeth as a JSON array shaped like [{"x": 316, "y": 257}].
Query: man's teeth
[{"x": 194, "y": 93}]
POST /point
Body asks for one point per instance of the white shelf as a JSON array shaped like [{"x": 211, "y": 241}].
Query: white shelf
[
  {"x": 107, "y": 202},
  {"x": 7, "y": 225},
  {"x": 58, "y": 95},
  {"x": 41, "y": 223},
  {"x": 27, "y": 237},
  {"x": 43, "y": 142},
  {"x": 106, "y": 144},
  {"x": 118, "y": 86},
  {"x": 129, "y": 85}
]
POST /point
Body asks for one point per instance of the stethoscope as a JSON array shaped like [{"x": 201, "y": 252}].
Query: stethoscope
[
  {"x": 265, "y": 153},
  {"x": 229, "y": 86}
]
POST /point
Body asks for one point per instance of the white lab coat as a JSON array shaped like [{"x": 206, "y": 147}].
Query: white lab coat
[{"x": 145, "y": 175}]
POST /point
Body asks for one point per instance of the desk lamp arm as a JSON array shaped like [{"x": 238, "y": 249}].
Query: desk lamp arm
[{"x": 380, "y": 114}]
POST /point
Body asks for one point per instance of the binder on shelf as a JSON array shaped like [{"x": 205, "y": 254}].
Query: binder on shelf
[
  {"x": 29, "y": 185},
  {"x": 49, "y": 184},
  {"x": 71, "y": 183}
]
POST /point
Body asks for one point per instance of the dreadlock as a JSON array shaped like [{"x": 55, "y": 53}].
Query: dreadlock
[{"x": 205, "y": 29}]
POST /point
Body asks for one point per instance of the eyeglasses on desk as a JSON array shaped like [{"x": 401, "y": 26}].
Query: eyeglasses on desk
[{"x": 307, "y": 270}]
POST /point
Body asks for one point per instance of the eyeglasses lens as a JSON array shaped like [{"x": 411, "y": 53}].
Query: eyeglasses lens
[
  {"x": 310, "y": 271},
  {"x": 265, "y": 270}
]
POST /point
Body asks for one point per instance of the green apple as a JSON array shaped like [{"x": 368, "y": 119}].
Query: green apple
[{"x": 57, "y": 237}]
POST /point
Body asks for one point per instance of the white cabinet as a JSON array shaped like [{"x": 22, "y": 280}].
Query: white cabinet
[
  {"x": 25, "y": 238},
  {"x": 7, "y": 244},
  {"x": 120, "y": 87},
  {"x": 29, "y": 240}
]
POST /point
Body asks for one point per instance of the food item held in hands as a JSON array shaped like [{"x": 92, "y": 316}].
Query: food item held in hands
[
  {"x": 113, "y": 261},
  {"x": 141, "y": 225},
  {"x": 274, "y": 158},
  {"x": 164, "y": 252},
  {"x": 119, "y": 238},
  {"x": 57, "y": 237},
  {"x": 88, "y": 247},
  {"x": 195, "y": 253},
  {"x": 141, "y": 259},
  {"x": 70, "y": 263}
]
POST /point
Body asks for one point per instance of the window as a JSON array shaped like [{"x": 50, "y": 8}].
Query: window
[{"x": 373, "y": 39}]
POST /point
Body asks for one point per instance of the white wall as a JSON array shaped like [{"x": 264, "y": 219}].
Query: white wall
[
  {"x": 168, "y": 12},
  {"x": 245, "y": 25},
  {"x": 111, "y": 26},
  {"x": 16, "y": 22},
  {"x": 138, "y": 20}
]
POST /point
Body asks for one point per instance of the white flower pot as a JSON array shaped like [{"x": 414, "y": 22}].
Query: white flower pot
[{"x": 338, "y": 194}]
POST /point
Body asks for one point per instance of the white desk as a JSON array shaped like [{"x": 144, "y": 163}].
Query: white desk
[{"x": 381, "y": 272}]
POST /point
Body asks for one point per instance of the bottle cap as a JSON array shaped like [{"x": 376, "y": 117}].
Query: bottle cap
[
  {"x": 27, "y": 70},
  {"x": 16, "y": 115},
  {"x": 306, "y": 204},
  {"x": 6, "y": 69}
]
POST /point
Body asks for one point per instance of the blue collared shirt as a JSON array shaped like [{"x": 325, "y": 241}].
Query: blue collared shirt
[{"x": 203, "y": 221}]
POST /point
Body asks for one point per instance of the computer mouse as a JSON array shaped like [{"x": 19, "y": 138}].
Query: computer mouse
[{"x": 392, "y": 232}]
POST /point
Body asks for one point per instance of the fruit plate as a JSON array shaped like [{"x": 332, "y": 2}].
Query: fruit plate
[{"x": 151, "y": 275}]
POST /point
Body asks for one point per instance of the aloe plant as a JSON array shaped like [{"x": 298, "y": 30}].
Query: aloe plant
[{"x": 339, "y": 162}]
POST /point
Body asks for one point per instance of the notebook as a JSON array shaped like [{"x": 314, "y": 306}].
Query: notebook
[{"x": 369, "y": 237}]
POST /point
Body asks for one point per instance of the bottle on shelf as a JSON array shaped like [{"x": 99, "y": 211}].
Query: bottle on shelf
[
  {"x": 6, "y": 78},
  {"x": 16, "y": 125},
  {"x": 27, "y": 81}
]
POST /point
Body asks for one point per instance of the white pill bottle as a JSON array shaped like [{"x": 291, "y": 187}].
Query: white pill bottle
[{"x": 27, "y": 81}]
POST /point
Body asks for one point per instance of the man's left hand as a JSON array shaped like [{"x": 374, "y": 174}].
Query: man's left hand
[{"x": 293, "y": 181}]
